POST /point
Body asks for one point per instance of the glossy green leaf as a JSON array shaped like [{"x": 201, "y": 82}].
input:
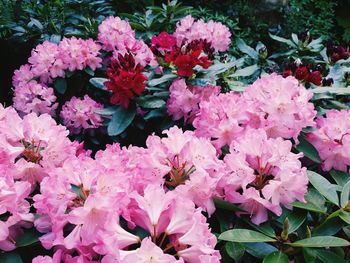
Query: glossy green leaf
[
  {"x": 345, "y": 195},
  {"x": 121, "y": 119},
  {"x": 296, "y": 218},
  {"x": 245, "y": 72},
  {"x": 340, "y": 177},
  {"x": 219, "y": 203},
  {"x": 244, "y": 48},
  {"x": 245, "y": 236},
  {"x": 106, "y": 111},
  {"x": 328, "y": 228},
  {"x": 60, "y": 85},
  {"x": 308, "y": 149},
  {"x": 259, "y": 250},
  {"x": 98, "y": 83},
  {"x": 234, "y": 250},
  {"x": 321, "y": 241},
  {"x": 283, "y": 40},
  {"x": 163, "y": 79},
  {"x": 329, "y": 257},
  {"x": 276, "y": 257},
  {"x": 11, "y": 257},
  {"x": 323, "y": 186},
  {"x": 28, "y": 238},
  {"x": 345, "y": 216},
  {"x": 150, "y": 102},
  {"x": 315, "y": 202}
]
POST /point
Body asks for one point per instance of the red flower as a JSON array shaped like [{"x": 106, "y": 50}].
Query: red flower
[
  {"x": 125, "y": 80},
  {"x": 185, "y": 65},
  {"x": 302, "y": 73},
  {"x": 315, "y": 77},
  {"x": 287, "y": 73},
  {"x": 164, "y": 41}
]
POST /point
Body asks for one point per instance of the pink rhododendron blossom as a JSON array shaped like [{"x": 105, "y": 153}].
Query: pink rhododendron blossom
[
  {"x": 77, "y": 53},
  {"x": 215, "y": 33},
  {"x": 184, "y": 100},
  {"x": 35, "y": 144},
  {"x": 262, "y": 174},
  {"x": 34, "y": 97},
  {"x": 79, "y": 114},
  {"x": 332, "y": 140},
  {"x": 22, "y": 75},
  {"x": 283, "y": 104},
  {"x": 224, "y": 117}
]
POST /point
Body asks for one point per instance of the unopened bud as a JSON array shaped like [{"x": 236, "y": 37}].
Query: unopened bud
[{"x": 284, "y": 234}]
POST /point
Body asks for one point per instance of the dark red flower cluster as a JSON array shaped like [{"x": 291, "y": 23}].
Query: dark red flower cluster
[
  {"x": 163, "y": 41},
  {"x": 125, "y": 79},
  {"x": 184, "y": 58},
  {"x": 303, "y": 73},
  {"x": 337, "y": 52}
]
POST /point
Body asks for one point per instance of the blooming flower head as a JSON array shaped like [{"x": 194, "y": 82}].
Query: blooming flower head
[
  {"x": 125, "y": 80},
  {"x": 163, "y": 42},
  {"x": 183, "y": 163},
  {"x": 78, "y": 114},
  {"x": 34, "y": 97},
  {"x": 37, "y": 144},
  {"x": 215, "y": 33},
  {"x": 77, "y": 54},
  {"x": 22, "y": 75},
  {"x": 262, "y": 174},
  {"x": 282, "y": 105},
  {"x": 184, "y": 100},
  {"x": 224, "y": 117},
  {"x": 113, "y": 33},
  {"x": 331, "y": 139}
]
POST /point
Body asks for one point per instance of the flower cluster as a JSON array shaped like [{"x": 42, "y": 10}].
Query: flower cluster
[
  {"x": 116, "y": 35},
  {"x": 87, "y": 215},
  {"x": 278, "y": 105},
  {"x": 35, "y": 144},
  {"x": 337, "y": 52},
  {"x": 125, "y": 79},
  {"x": 79, "y": 114},
  {"x": 262, "y": 174},
  {"x": 332, "y": 140},
  {"x": 48, "y": 61},
  {"x": 215, "y": 33},
  {"x": 34, "y": 97},
  {"x": 303, "y": 73},
  {"x": 184, "y": 100}
]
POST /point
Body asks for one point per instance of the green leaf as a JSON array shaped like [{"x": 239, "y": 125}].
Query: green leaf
[
  {"x": 295, "y": 39},
  {"x": 155, "y": 114},
  {"x": 89, "y": 71},
  {"x": 121, "y": 119},
  {"x": 60, "y": 85},
  {"x": 245, "y": 72},
  {"x": 244, "y": 236},
  {"x": 329, "y": 257},
  {"x": 244, "y": 48},
  {"x": 11, "y": 257},
  {"x": 235, "y": 250},
  {"x": 98, "y": 83},
  {"x": 164, "y": 78},
  {"x": 283, "y": 40},
  {"x": 321, "y": 241},
  {"x": 276, "y": 257},
  {"x": 340, "y": 177},
  {"x": 308, "y": 149},
  {"x": 295, "y": 219},
  {"x": 28, "y": 238},
  {"x": 324, "y": 187},
  {"x": 106, "y": 111},
  {"x": 259, "y": 250},
  {"x": 150, "y": 102},
  {"x": 329, "y": 227},
  {"x": 315, "y": 202},
  {"x": 345, "y": 195},
  {"x": 219, "y": 203},
  {"x": 345, "y": 216}
]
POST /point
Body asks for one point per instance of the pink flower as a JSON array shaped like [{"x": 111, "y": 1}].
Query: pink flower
[
  {"x": 34, "y": 97},
  {"x": 184, "y": 100},
  {"x": 282, "y": 104},
  {"x": 147, "y": 253},
  {"x": 215, "y": 33},
  {"x": 262, "y": 174},
  {"x": 332, "y": 140},
  {"x": 79, "y": 114},
  {"x": 77, "y": 54},
  {"x": 22, "y": 75}
]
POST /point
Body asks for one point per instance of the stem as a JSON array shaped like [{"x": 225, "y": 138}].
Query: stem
[{"x": 163, "y": 238}]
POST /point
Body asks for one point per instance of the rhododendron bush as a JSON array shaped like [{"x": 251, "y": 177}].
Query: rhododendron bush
[{"x": 166, "y": 149}]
